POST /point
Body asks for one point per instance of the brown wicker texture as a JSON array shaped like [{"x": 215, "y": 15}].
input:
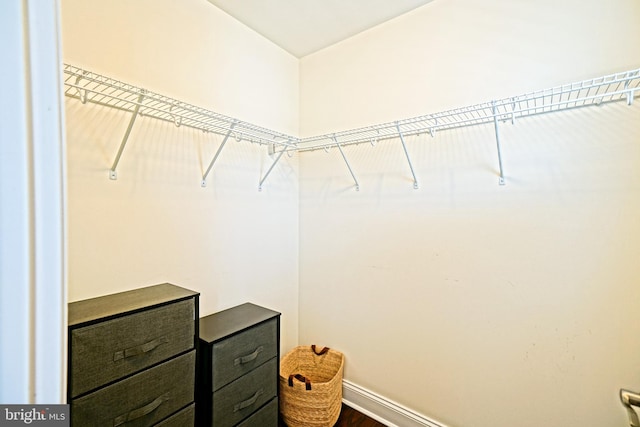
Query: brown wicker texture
[{"x": 320, "y": 406}]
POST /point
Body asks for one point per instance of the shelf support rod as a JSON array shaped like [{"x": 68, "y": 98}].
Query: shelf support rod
[
  {"x": 270, "y": 169},
  {"x": 215, "y": 157},
  {"x": 630, "y": 94},
  {"x": 406, "y": 153},
  {"x": 495, "y": 125},
  {"x": 347, "y": 162},
  {"x": 112, "y": 172}
]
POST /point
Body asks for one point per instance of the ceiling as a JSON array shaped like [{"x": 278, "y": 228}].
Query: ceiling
[{"x": 302, "y": 27}]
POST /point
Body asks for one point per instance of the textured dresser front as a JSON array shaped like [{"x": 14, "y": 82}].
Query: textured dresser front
[
  {"x": 239, "y": 368},
  {"x": 132, "y": 358}
]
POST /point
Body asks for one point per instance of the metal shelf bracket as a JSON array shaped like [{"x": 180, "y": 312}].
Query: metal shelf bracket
[
  {"x": 112, "y": 172},
  {"x": 177, "y": 120},
  {"x": 347, "y": 162},
  {"x": 629, "y": 400},
  {"x": 203, "y": 183},
  {"x": 630, "y": 93},
  {"x": 270, "y": 169},
  {"x": 495, "y": 124},
  {"x": 406, "y": 153},
  {"x": 82, "y": 93}
]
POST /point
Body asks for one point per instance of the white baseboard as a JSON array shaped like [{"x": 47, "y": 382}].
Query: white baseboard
[{"x": 382, "y": 409}]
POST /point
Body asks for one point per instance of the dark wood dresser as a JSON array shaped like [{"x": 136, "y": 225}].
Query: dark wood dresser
[
  {"x": 132, "y": 358},
  {"x": 238, "y": 368}
]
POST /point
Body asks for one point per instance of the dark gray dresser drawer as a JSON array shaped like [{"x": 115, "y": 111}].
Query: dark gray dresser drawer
[
  {"x": 235, "y": 356},
  {"x": 238, "y": 367},
  {"x": 140, "y": 400},
  {"x": 236, "y": 401},
  {"x": 267, "y": 416},
  {"x": 186, "y": 417},
  {"x": 109, "y": 350}
]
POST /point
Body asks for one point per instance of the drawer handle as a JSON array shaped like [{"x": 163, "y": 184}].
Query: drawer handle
[
  {"x": 249, "y": 357},
  {"x": 140, "y": 412},
  {"x": 248, "y": 402},
  {"x": 139, "y": 349}
]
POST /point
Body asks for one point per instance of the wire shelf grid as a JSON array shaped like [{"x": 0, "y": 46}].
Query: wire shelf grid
[
  {"x": 597, "y": 91},
  {"x": 91, "y": 87},
  {"x": 87, "y": 86}
]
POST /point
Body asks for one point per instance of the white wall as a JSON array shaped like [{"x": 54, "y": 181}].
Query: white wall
[
  {"x": 448, "y": 54},
  {"x": 155, "y": 223},
  {"x": 473, "y": 303}
]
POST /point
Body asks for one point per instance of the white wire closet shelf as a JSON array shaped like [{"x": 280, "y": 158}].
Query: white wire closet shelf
[
  {"x": 91, "y": 87},
  {"x": 610, "y": 88},
  {"x": 87, "y": 86}
]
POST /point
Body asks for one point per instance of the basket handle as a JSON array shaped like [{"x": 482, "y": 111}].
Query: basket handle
[
  {"x": 301, "y": 378},
  {"x": 321, "y": 352}
]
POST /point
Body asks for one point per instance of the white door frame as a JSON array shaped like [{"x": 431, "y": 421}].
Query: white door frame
[{"x": 33, "y": 273}]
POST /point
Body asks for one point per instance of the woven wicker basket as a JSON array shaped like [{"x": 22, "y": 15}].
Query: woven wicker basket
[{"x": 311, "y": 387}]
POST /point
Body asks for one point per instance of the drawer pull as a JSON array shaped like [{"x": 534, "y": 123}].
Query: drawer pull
[
  {"x": 140, "y": 412},
  {"x": 249, "y": 357},
  {"x": 139, "y": 349},
  {"x": 248, "y": 402}
]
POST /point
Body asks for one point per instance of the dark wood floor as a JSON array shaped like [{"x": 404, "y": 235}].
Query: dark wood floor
[{"x": 349, "y": 417}]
